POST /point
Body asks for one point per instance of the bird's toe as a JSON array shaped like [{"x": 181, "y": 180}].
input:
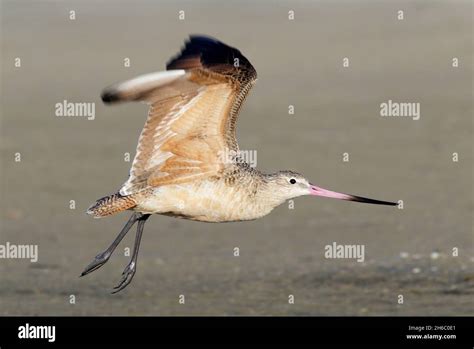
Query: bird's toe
[{"x": 98, "y": 261}]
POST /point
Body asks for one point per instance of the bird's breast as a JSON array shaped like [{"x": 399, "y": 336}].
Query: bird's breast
[{"x": 207, "y": 200}]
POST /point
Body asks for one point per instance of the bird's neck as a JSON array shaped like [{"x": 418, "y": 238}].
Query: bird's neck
[
  {"x": 270, "y": 193},
  {"x": 259, "y": 192}
]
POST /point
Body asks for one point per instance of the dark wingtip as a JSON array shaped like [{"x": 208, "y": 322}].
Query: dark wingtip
[
  {"x": 203, "y": 38},
  {"x": 210, "y": 52},
  {"x": 372, "y": 201},
  {"x": 110, "y": 97}
]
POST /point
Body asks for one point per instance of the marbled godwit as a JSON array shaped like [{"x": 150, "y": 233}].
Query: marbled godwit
[{"x": 179, "y": 168}]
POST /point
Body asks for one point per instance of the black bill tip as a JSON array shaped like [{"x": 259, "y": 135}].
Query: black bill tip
[{"x": 371, "y": 201}]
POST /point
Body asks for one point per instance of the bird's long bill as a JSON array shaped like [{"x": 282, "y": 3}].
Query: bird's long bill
[{"x": 317, "y": 191}]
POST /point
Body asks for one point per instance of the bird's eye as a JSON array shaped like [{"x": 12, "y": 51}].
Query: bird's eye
[{"x": 292, "y": 181}]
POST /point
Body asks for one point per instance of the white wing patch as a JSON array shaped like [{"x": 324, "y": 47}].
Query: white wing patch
[{"x": 136, "y": 87}]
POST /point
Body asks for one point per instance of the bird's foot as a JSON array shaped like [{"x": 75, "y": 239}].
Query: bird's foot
[
  {"x": 98, "y": 261},
  {"x": 127, "y": 276}
]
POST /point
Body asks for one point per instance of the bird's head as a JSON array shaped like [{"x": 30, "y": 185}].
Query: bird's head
[{"x": 288, "y": 185}]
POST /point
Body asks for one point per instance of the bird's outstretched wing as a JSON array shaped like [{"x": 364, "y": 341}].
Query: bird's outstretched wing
[{"x": 193, "y": 111}]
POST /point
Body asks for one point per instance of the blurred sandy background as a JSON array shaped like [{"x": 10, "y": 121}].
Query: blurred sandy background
[{"x": 337, "y": 110}]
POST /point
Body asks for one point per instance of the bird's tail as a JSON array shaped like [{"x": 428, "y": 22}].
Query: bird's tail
[{"x": 111, "y": 204}]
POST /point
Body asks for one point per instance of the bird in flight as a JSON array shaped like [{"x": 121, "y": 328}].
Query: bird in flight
[{"x": 187, "y": 162}]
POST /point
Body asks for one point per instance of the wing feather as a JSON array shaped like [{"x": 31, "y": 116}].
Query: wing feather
[{"x": 193, "y": 111}]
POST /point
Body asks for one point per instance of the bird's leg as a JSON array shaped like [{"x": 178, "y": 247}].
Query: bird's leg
[
  {"x": 103, "y": 257},
  {"x": 131, "y": 268}
]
